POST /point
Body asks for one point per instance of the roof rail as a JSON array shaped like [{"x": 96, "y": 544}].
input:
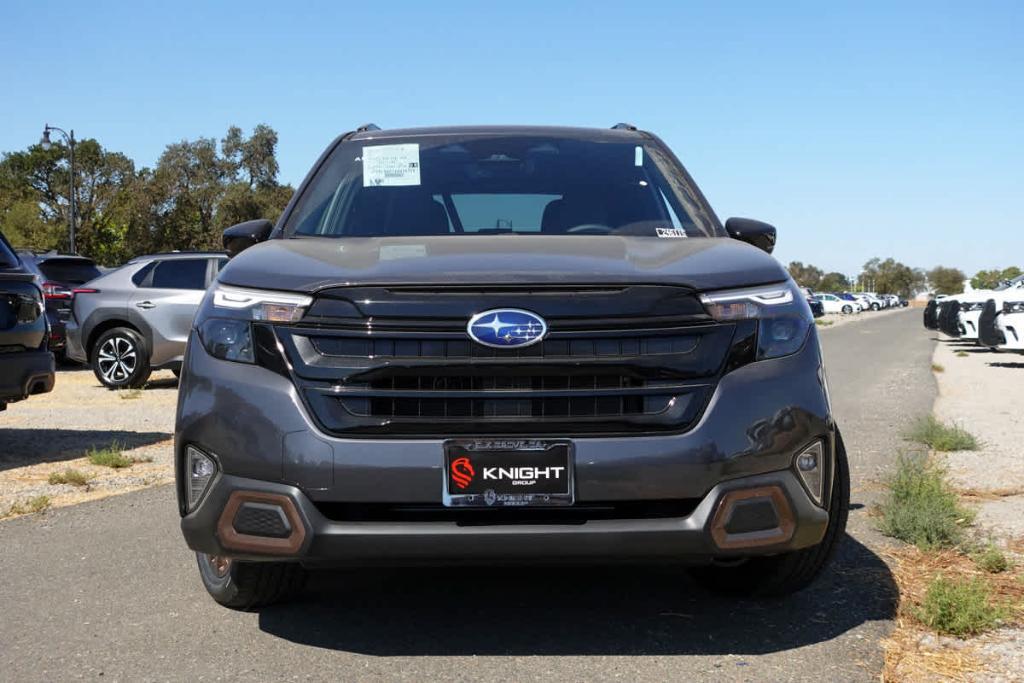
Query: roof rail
[
  {"x": 624, "y": 126},
  {"x": 367, "y": 127}
]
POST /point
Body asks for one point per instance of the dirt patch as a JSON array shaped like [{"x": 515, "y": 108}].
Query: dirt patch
[
  {"x": 53, "y": 433},
  {"x": 913, "y": 653},
  {"x": 833, "y": 320}
]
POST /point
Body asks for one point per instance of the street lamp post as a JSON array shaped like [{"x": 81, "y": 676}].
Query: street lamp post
[{"x": 70, "y": 139}]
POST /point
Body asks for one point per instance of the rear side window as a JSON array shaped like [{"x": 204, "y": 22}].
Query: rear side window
[
  {"x": 7, "y": 257},
  {"x": 178, "y": 274},
  {"x": 72, "y": 272}
]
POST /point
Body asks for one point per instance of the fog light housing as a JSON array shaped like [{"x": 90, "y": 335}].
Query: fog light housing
[
  {"x": 810, "y": 466},
  {"x": 200, "y": 469}
]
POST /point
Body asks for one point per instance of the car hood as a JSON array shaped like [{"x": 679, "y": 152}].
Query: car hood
[{"x": 310, "y": 264}]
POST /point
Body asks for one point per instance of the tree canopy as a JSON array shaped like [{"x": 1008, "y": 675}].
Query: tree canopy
[
  {"x": 945, "y": 280},
  {"x": 892, "y": 277},
  {"x": 196, "y": 189},
  {"x": 989, "y": 279}
]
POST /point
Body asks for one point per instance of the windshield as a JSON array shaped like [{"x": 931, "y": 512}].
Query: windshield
[{"x": 499, "y": 184}]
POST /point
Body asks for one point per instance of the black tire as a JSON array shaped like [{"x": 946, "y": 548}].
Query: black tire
[
  {"x": 847, "y": 309},
  {"x": 875, "y": 307},
  {"x": 778, "y": 575},
  {"x": 248, "y": 585},
  {"x": 120, "y": 359}
]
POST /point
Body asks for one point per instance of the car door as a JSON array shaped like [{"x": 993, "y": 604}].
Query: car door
[{"x": 167, "y": 300}]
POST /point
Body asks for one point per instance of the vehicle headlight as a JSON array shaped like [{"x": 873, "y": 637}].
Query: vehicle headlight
[
  {"x": 784, "y": 318},
  {"x": 260, "y": 304},
  {"x": 225, "y": 321},
  {"x": 227, "y": 339},
  {"x": 1013, "y": 307}
]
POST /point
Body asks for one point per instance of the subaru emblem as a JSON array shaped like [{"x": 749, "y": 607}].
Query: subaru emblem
[{"x": 506, "y": 328}]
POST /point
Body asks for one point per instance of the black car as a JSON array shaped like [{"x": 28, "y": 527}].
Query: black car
[
  {"x": 59, "y": 274},
  {"x": 26, "y": 363},
  {"x": 504, "y": 345}
]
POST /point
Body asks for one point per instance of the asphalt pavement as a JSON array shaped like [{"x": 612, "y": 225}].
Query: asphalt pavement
[{"x": 108, "y": 589}]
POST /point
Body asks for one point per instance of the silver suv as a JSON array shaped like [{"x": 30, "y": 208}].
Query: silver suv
[{"x": 137, "y": 318}]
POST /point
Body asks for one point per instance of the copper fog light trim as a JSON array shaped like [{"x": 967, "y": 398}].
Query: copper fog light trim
[
  {"x": 778, "y": 534},
  {"x": 248, "y": 543}
]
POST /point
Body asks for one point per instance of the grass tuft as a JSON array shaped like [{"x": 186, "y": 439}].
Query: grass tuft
[
  {"x": 37, "y": 504},
  {"x": 942, "y": 437},
  {"x": 962, "y": 354},
  {"x": 69, "y": 476},
  {"x": 991, "y": 559},
  {"x": 111, "y": 456},
  {"x": 959, "y": 607},
  {"x": 823, "y": 323},
  {"x": 938, "y": 368},
  {"x": 129, "y": 394},
  {"x": 921, "y": 507}
]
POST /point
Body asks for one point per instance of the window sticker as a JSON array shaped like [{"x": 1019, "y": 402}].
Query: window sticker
[
  {"x": 671, "y": 233},
  {"x": 638, "y": 156},
  {"x": 391, "y": 165},
  {"x": 390, "y": 252}
]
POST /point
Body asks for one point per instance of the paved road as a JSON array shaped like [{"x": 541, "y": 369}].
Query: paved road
[{"x": 108, "y": 589}]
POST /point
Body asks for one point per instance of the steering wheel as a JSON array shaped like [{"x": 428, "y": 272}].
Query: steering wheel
[{"x": 590, "y": 229}]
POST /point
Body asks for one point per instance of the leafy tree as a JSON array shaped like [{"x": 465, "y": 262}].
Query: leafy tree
[
  {"x": 35, "y": 197},
  {"x": 989, "y": 279},
  {"x": 834, "y": 282},
  {"x": 892, "y": 277},
  {"x": 806, "y": 276},
  {"x": 946, "y": 280}
]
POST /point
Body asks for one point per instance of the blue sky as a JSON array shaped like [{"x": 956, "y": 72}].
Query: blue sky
[{"x": 862, "y": 129}]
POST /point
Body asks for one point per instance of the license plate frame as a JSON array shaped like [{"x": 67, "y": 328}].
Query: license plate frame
[{"x": 512, "y": 456}]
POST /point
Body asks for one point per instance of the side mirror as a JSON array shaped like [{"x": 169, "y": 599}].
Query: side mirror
[
  {"x": 759, "y": 234},
  {"x": 240, "y": 237}
]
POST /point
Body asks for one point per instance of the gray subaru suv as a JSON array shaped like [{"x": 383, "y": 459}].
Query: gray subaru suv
[{"x": 505, "y": 345}]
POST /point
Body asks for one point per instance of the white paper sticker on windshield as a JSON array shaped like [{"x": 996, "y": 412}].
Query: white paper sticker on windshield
[
  {"x": 390, "y": 252},
  {"x": 671, "y": 233},
  {"x": 638, "y": 156},
  {"x": 391, "y": 165}
]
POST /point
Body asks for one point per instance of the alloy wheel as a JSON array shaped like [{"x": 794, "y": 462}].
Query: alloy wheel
[{"x": 117, "y": 359}]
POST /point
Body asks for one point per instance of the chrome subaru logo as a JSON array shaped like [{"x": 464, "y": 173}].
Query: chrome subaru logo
[{"x": 504, "y": 328}]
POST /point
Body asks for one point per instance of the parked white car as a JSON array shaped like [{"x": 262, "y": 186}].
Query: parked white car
[
  {"x": 875, "y": 302},
  {"x": 1001, "y": 318},
  {"x": 972, "y": 304},
  {"x": 833, "y": 304}
]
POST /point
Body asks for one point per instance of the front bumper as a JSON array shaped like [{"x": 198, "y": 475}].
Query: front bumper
[
  {"x": 253, "y": 422},
  {"x": 1012, "y": 327},
  {"x": 969, "y": 324},
  {"x": 696, "y": 538},
  {"x": 25, "y": 373}
]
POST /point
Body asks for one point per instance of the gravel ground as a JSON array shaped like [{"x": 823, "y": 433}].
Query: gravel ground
[
  {"x": 53, "y": 432},
  {"x": 983, "y": 392},
  {"x": 831, "y": 320}
]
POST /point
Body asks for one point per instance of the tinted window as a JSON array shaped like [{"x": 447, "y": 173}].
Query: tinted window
[
  {"x": 492, "y": 184},
  {"x": 179, "y": 274},
  {"x": 7, "y": 257},
  {"x": 71, "y": 271}
]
